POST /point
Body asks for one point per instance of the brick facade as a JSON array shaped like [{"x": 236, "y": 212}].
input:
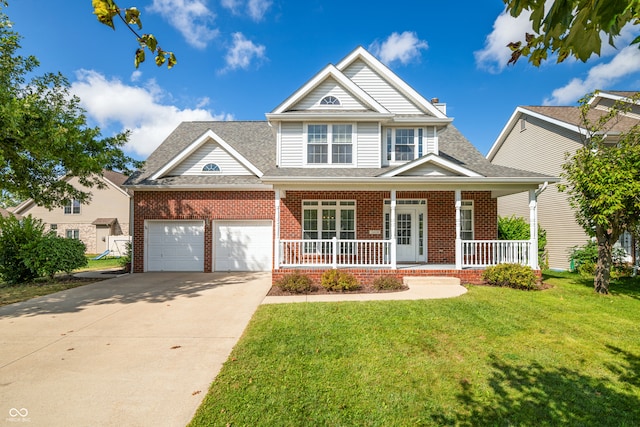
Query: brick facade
[
  {"x": 259, "y": 205},
  {"x": 441, "y": 213},
  {"x": 197, "y": 205}
]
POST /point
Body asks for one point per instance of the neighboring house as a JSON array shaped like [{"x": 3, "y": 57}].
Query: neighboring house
[
  {"x": 354, "y": 170},
  {"x": 537, "y": 138},
  {"x": 5, "y": 213},
  {"x": 106, "y": 214}
]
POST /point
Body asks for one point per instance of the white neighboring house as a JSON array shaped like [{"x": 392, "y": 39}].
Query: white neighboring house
[
  {"x": 107, "y": 214},
  {"x": 537, "y": 138}
]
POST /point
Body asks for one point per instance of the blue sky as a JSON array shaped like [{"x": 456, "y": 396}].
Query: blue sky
[{"x": 239, "y": 59}]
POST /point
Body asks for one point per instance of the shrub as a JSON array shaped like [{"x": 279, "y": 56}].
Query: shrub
[
  {"x": 337, "y": 280},
  {"x": 387, "y": 283},
  {"x": 517, "y": 228},
  {"x": 53, "y": 254},
  {"x": 296, "y": 283},
  {"x": 15, "y": 234},
  {"x": 584, "y": 259},
  {"x": 125, "y": 260},
  {"x": 510, "y": 275}
]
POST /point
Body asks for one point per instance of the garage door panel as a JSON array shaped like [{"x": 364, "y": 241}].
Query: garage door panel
[
  {"x": 243, "y": 245},
  {"x": 175, "y": 246}
]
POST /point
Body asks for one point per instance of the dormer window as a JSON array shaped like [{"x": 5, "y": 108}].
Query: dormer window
[
  {"x": 330, "y": 100},
  {"x": 211, "y": 167}
]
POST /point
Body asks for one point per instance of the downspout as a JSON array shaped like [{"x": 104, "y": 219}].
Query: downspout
[{"x": 533, "y": 221}]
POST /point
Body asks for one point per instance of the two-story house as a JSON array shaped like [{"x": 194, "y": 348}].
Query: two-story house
[
  {"x": 538, "y": 138},
  {"x": 354, "y": 170},
  {"x": 105, "y": 215}
]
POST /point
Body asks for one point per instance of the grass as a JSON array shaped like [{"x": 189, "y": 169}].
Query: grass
[
  {"x": 495, "y": 356},
  {"x": 11, "y": 294}
]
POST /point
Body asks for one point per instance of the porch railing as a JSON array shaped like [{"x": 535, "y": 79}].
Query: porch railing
[
  {"x": 335, "y": 252},
  {"x": 484, "y": 253}
]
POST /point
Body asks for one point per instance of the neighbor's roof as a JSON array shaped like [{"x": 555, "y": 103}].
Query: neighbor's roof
[{"x": 572, "y": 116}]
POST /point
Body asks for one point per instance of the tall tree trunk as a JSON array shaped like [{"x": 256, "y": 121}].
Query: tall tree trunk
[{"x": 603, "y": 266}]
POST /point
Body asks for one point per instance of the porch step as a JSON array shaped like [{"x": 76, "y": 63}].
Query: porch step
[{"x": 429, "y": 280}]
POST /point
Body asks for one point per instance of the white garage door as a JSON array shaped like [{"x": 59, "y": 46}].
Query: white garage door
[
  {"x": 174, "y": 246},
  {"x": 243, "y": 246}
]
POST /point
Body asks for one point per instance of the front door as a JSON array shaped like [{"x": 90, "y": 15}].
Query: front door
[{"x": 410, "y": 230}]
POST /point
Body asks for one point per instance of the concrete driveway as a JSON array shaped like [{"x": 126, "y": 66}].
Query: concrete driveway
[{"x": 136, "y": 350}]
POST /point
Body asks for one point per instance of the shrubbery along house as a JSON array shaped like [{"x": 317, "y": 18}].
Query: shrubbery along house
[{"x": 355, "y": 170}]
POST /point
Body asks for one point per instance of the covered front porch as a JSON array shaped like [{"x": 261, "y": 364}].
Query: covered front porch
[{"x": 396, "y": 231}]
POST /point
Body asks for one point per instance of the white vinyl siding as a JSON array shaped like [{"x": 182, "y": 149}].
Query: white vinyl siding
[
  {"x": 372, "y": 83},
  {"x": 332, "y": 88},
  {"x": 429, "y": 170},
  {"x": 210, "y": 153},
  {"x": 541, "y": 148},
  {"x": 368, "y": 145},
  {"x": 291, "y": 145}
]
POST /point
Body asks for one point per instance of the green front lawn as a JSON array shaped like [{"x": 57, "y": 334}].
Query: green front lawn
[{"x": 495, "y": 356}]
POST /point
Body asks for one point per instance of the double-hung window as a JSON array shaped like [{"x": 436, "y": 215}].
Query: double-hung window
[
  {"x": 72, "y": 234},
  {"x": 72, "y": 207},
  {"x": 330, "y": 144},
  {"x": 404, "y": 144},
  {"x": 326, "y": 219}
]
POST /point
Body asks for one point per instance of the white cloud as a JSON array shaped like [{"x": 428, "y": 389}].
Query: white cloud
[
  {"x": 112, "y": 103},
  {"x": 403, "y": 47},
  {"x": 232, "y": 5},
  {"x": 601, "y": 76},
  {"x": 191, "y": 17},
  {"x": 257, "y": 8},
  {"x": 506, "y": 29},
  {"x": 242, "y": 53}
]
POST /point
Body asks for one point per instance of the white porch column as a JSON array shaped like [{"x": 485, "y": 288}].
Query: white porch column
[
  {"x": 533, "y": 228},
  {"x": 276, "y": 228},
  {"x": 458, "y": 225},
  {"x": 392, "y": 230}
]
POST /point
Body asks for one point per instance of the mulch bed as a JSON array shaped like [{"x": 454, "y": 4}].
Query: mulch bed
[{"x": 365, "y": 289}]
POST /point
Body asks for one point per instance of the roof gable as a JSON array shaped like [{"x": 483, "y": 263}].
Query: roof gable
[
  {"x": 431, "y": 165},
  {"x": 332, "y": 72},
  {"x": 361, "y": 61},
  {"x": 207, "y": 137},
  {"x": 330, "y": 87}
]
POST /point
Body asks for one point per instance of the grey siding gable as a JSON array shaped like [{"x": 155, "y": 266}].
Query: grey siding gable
[
  {"x": 383, "y": 92},
  {"x": 429, "y": 169},
  {"x": 210, "y": 153},
  {"x": 326, "y": 88}
]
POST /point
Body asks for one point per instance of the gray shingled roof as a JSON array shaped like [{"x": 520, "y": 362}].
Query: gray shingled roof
[
  {"x": 254, "y": 140},
  {"x": 572, "y": 116},
  {"x": 257, "y": 143}
]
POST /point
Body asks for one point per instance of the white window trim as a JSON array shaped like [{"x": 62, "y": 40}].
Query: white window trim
[
  {"x": 468, "y": 205},
  {"x": 338, "y": 208},
  {"x": 420, "y": 135},
  {"x": 71, "y": 206},
  {"x": 305, "y": 136}
]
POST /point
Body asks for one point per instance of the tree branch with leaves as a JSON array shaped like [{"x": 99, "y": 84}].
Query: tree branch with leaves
[
  {"x": 107, "y": 10},
  {"x": 604, "y": 179},
  {"x": 571, "y": 28}
]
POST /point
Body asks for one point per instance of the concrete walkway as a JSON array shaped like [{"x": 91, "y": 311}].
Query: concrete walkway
[{"x": 135, "y": 350}]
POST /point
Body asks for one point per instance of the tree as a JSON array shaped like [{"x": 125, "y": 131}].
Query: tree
[
  {"x": 571, "y": 27},
  {"x": 44, "y": 133},
  {"x": 604, "y": 181},
  {"x": 107, "y": 10}
]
